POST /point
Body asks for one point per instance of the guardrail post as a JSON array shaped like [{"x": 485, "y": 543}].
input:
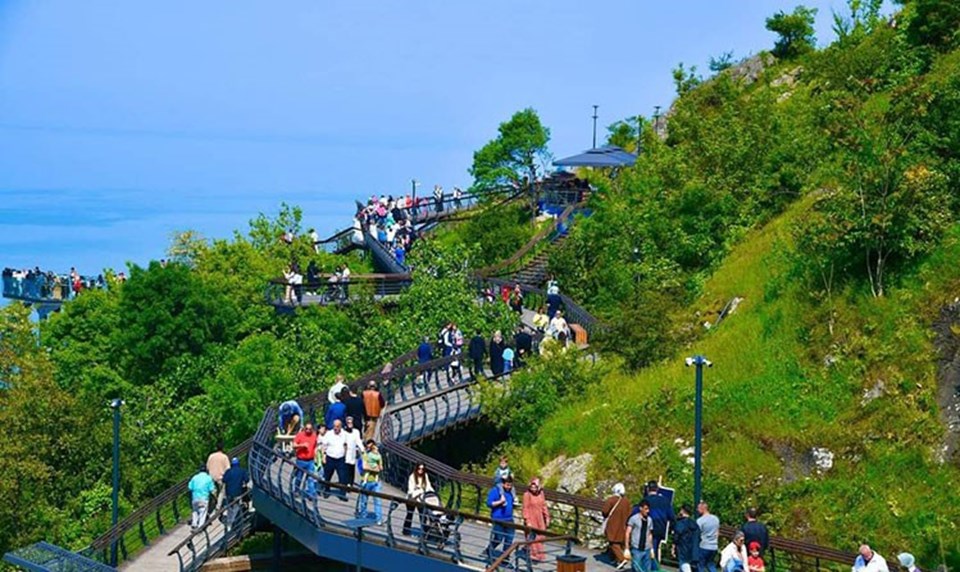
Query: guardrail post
[
  {"x": 576, "y": 521},
  {"x": 143, "y": 535},
  {"x": 176, "y": 509},
  {"x": 160, "y": 523}
]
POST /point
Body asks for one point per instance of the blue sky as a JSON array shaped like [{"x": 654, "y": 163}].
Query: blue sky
[{"x": 121, "y": 122}]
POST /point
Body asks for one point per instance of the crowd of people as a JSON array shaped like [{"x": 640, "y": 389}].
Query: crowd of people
[
  {"x": 332, "y": 288},
  {"x": 37, "y": 284},
  {"x": 636, "y": 534}
]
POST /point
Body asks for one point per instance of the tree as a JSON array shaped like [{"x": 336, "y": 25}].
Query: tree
[
  {"x": 623, "y": 133},
  {"x": 685, "y": 80},
  {"x": 863, "y": 19},
  {"x": 169, "y": 311},
  {"x": 934, "y": 23},
  {"x": 515, "y": 155},
  {"x": 795, "y": 31},
  {"x": 724, "y": 61}
]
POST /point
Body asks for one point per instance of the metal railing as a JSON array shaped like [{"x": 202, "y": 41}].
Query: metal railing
[
  {"x": 223, "y": 530},
  {"x": 325, "y": 292},
  {"x": 549, "y": 233},
  {"x": 433, "y": 530},
  {"x": 45, "y": 287}
]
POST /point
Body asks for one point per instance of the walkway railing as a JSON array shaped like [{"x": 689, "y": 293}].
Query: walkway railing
[
  {"x": 222, "y": 531},
  {"x": 44, "y": 287},
  {"x": 550, "y": 232},
  {"x": 324, "y": 292},
  {"x": 443, "y": 533}
]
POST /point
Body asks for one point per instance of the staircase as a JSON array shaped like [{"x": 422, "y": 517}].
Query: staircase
[{"x": 534, "y": 272}]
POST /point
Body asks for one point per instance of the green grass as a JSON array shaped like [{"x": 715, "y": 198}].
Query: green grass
[{"x": 770, "y": 398}]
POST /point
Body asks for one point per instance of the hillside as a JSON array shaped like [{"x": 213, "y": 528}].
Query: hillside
[
  {"x": 817, "y": 187},
  {"x": 781, "y": 387}
]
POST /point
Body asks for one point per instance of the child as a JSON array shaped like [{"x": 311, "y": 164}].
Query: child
[
  {"x": 507, "y": 359},
  {"x": 502, "y": 472},
  {"x": 755, "y": 561}
]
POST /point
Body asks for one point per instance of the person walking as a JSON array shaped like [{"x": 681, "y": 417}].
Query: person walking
[
  {"x": 536, "y": 515},
  {"x": 370, "y": 481},
  {"x": 496, "y": 354},
  {"x": 661, "y": 511},
  {"x": 869, "y": 561},
  {"x": 235, "y": 483},
  {"x": 305, "y": 448},
  {"x": 336, "y": 410},
  {"x": 755, "y": 531},
  {"x": 638, "y": 537},
  {"x": 418, "y": 484},
  {"x": 709, "y": 538},
  {"x": 500, "y": 503},
  {"x": 333, "y": 394},
  {"x": 354, "y": 407},
  {"x": 616, "y": 513},
  {"x": 477, "y": 350},
  {"x": 354, "y": 450},
  {"x": 217, "y": 464},
  {"x": 201, "y": 486},
  {"x": 373, "y": 406},
  {"x": 335, "y": 451},
  {"x": 686, "y": 536}
]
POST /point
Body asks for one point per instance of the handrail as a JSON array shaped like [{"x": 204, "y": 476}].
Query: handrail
[
  {"x": 518, "y": 545},
  {"x": 496, "y": 268},
  {"x": 211, "y": 519}
]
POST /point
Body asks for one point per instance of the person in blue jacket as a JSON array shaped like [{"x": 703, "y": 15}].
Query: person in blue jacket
[
  {"x": 337, "y": 411},
  {"x": 500, "y": 502},
  {"x": 290, "y": 418}
]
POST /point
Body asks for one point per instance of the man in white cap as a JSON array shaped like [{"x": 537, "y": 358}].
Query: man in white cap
[{"x": 869, "y": 561}]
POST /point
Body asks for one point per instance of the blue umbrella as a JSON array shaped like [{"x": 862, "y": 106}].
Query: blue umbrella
[{"x": 606, "y": 156}]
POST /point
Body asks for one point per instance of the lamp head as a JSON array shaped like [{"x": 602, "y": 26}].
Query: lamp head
[{"x": 116, "y": 403}]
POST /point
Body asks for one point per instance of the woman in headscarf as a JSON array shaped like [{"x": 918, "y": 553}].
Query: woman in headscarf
[{"x": 536, "y": 515}]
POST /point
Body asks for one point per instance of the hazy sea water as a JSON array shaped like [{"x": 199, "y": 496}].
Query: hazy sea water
[{"x": 92, "y": 230}]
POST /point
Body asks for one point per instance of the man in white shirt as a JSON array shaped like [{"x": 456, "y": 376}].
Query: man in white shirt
[
  {"x": 333, "y": 395},
  {"x": 354, "y": 448},
  {"x": 869, "y": 561},
  {"x": 335, "y": 446}
]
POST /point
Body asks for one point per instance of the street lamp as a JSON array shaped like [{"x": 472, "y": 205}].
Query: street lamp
[
  {"x": 595, "y": 126},
  {"x": 115, "y": 405},
  {"x": 699, "y": 361}
]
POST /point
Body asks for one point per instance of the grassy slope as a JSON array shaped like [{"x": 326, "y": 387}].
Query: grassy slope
[{"x": 770, "y": 398}]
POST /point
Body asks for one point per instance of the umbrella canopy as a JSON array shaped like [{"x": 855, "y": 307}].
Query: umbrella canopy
[{"x": 606, "y": 156}]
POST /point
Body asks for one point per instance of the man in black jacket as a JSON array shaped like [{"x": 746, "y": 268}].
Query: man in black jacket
[
  {"x": 661, "y": 511},
  {"x": 354, "y": 405},
  {"x": 477, "y": 350},
  {"x": 755, "y": 531},
  {"x": 686, "y": 539}
]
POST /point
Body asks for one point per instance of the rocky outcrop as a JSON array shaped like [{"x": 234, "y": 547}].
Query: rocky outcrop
[{"x": 947, "y": 342}]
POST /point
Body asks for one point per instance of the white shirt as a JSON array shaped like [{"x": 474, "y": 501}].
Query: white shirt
[
  {"x": 876, "y": 564},
  {"x": 731, "y": 552},
  {"x": 354, "y": 445},
  {"x": 334, "y": 444},
  {"x": 335, "y": 390}
]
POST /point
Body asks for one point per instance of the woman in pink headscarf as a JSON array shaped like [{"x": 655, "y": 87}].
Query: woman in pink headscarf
[{"x": 536, "y": 515}]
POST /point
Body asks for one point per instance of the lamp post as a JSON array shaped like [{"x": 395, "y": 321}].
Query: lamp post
[
  {"x": 698, "y": 361},
  {"x": 115, "y": 405},
  {"x": 595, "y": 126},
  {"x": 413, "y": 185}
]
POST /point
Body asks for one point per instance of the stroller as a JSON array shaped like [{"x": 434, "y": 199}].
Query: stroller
[{"x": 436, "y": 525}]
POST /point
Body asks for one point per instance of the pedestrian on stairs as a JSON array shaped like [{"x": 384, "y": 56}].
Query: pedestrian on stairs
[
  {"x": 373, "y": 405},
  {"x": 477, "y": 351},
  {"x": 201, "y": 487}
]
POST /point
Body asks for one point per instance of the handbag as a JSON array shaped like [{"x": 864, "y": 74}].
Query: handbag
[{"x": 603, "y": 525}]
